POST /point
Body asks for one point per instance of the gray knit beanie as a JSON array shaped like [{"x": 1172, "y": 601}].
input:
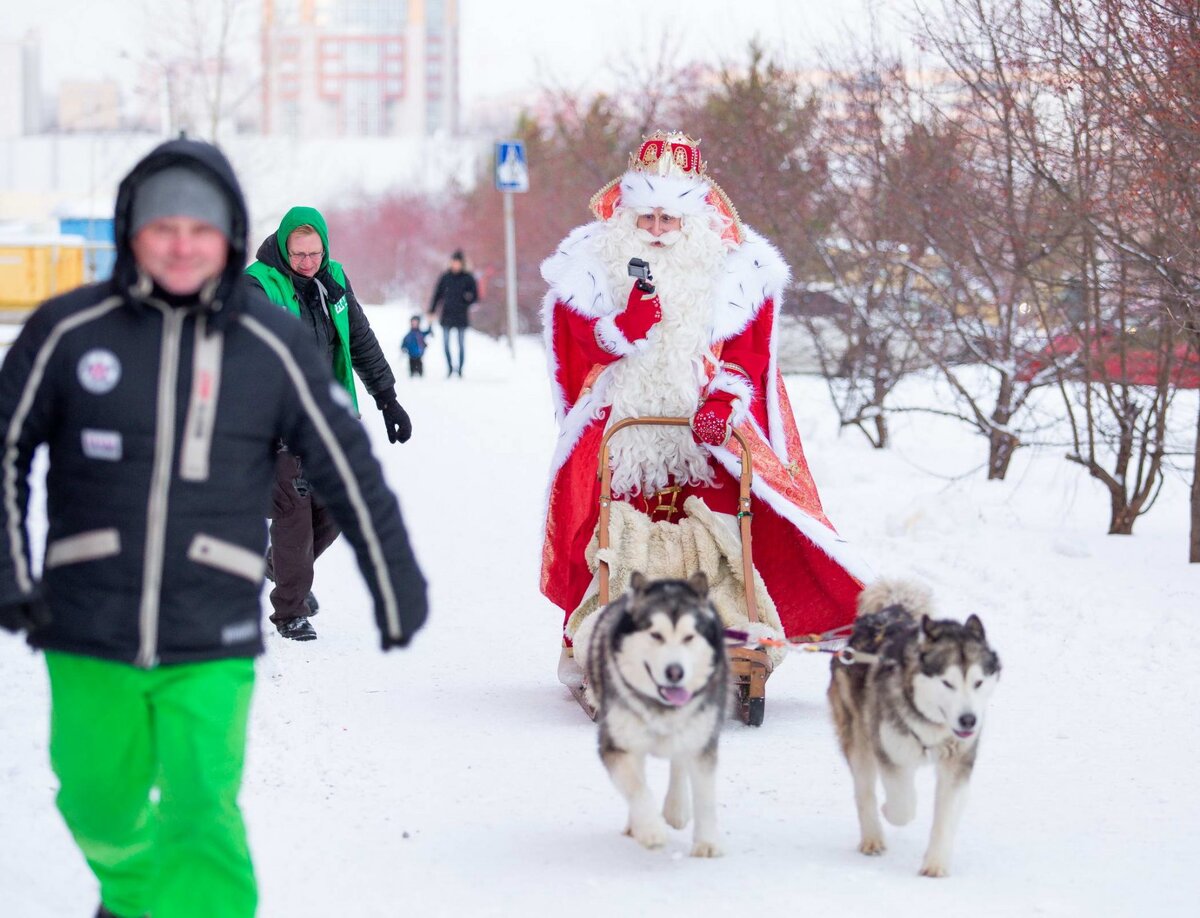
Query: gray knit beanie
[{"x": 181, "y": 192}]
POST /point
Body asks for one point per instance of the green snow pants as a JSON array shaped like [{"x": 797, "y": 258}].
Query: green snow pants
[{"x": 149, "y": 764}]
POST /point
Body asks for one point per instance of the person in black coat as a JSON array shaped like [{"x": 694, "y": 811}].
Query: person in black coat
[{"x": 455, "y": 293}]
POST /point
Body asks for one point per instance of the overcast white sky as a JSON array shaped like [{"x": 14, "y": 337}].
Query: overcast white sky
[
  {"x": 515, "y": 44},
  {"x": 506, "y": 45}
]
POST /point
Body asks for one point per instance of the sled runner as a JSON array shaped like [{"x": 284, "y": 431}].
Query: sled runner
[{"x": 749, "y": 666}]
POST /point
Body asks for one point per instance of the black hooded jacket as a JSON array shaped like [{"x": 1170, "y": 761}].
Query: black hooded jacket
[
  {"x": 161, "y": 420},
  {"x": 365, "y": 353}
]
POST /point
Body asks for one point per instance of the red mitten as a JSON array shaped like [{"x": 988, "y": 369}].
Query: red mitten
[
  {"x": 711, "y": 423},
  {"x": 642, "y": 312}
]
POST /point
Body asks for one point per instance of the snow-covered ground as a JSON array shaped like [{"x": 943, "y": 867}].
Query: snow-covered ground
[{"x": 459, "y": 778}]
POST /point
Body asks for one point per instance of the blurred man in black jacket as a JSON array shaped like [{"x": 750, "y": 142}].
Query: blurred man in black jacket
[{"x": 455, "y": 293}]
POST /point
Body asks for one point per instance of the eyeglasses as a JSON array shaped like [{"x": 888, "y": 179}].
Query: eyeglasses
[{"x": 305, "y": 256}]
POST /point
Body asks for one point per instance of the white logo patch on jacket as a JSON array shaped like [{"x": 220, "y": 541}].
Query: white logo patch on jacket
[
  {"x": 239, "y": 633},
  {"x": 99, "y": 371},
  {"x": 102, "y": 444}
]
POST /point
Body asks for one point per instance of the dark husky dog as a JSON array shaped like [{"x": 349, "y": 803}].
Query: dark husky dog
[
  {"x": 911, "y": 689},
  {"x": 658, "y": 674}
]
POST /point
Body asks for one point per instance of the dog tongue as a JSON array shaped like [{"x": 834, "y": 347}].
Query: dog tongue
[{"x": 675, "y": 695}]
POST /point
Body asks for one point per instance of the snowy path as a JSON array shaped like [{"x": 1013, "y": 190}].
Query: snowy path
[{"x": 458, "y": 778}]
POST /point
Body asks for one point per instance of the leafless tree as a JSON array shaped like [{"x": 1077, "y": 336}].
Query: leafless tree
[
  {"x": 864, "y": 348},
  {"x": 202, "y": 59},
  {"x": 1136, "y": 64},
  {"x": 990, "y": 237}
]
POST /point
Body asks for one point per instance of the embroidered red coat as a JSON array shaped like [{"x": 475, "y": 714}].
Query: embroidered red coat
[{"x": 809, "y": 570}]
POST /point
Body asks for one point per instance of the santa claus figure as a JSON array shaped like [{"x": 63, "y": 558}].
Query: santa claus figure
[{"x": 702, "y": 346}]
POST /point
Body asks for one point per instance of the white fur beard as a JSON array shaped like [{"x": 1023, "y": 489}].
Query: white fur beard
[{"x": 667, "y": 376}]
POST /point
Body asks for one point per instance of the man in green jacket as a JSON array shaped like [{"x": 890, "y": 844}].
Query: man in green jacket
[{"x": 295, "y": 271}]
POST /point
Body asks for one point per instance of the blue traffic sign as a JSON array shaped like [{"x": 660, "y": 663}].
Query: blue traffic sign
[{"x": 511, "y": 172}]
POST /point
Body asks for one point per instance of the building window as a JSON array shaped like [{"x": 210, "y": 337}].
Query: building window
[
  {"x": 362, "y": 108},
  {"x": 363, "y": 57},
  {"x": 373, "y": 16},
  {"x": 287, "y": 12}
]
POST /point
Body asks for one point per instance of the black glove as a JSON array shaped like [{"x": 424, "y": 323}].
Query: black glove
[
  {"x": 395, "y": 418},
  {"x": 25, "y": 615}
]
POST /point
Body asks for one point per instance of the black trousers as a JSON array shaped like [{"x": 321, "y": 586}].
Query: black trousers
[
  {"x": 301, "y": 529},
  {"x": 416, "y": 366}
]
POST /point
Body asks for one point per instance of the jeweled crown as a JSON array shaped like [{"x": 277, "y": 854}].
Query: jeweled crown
[{"x": 669, "y": 153}]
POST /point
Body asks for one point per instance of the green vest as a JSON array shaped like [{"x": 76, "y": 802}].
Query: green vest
[{"x": 279, "y": 289}]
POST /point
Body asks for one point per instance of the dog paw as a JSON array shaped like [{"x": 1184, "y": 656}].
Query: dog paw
[
  {"x": 677, "y": 813},
  {"x": 932, "y": 868},
  {"x": 706, "y": 849},
  {"x": 651, "y": 834},
  {"x": 872, "y": 846}
]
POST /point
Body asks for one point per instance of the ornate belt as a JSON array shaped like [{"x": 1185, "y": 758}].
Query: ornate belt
[{"x": 664, "y": 502}]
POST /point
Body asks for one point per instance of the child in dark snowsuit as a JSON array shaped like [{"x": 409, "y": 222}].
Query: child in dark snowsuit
[{"x": 414, "y": 345}]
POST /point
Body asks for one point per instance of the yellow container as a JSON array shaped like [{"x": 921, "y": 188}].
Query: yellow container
[{"x": 33, "y": 272}]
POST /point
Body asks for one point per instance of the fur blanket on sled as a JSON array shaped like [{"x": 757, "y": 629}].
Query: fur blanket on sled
[{"x": 702, "y": 541}]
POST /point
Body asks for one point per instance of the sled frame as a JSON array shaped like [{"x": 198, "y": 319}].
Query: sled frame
[{"x": 749, "y": 667}]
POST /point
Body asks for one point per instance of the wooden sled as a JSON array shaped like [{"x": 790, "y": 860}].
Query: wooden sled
[
  {"x": 578, "y": 692},
  {"x": 749, "y": 667}
]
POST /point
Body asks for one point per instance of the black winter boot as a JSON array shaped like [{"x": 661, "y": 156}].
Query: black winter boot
[{"x": 297, "y": 629}]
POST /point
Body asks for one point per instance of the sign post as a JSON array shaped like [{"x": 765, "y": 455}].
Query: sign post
[{"x": 512, "y": 175}]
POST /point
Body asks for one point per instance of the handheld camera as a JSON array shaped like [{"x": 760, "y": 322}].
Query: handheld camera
[{"x": 641, "y": 270}]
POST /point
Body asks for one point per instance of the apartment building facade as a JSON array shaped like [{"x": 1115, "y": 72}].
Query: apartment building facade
[{"x": 343, "y": 68}]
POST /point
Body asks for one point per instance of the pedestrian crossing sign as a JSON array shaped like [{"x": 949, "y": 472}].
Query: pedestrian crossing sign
[{"x": 511, "y": 172}]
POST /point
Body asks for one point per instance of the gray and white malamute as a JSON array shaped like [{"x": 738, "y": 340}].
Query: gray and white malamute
[
  {"x": 916, "y": 693},
  {"x": 658, "y": 675}
]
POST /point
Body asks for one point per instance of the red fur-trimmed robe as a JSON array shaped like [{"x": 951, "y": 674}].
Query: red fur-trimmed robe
[{"x": 809, "y": 570}]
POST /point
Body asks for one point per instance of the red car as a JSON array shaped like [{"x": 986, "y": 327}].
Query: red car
[{"x": 1141, "y": 361}]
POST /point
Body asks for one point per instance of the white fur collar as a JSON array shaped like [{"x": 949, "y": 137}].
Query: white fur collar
[
  {"x": 753, "y": 272},
  {"x": 576, "y": 275}
]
